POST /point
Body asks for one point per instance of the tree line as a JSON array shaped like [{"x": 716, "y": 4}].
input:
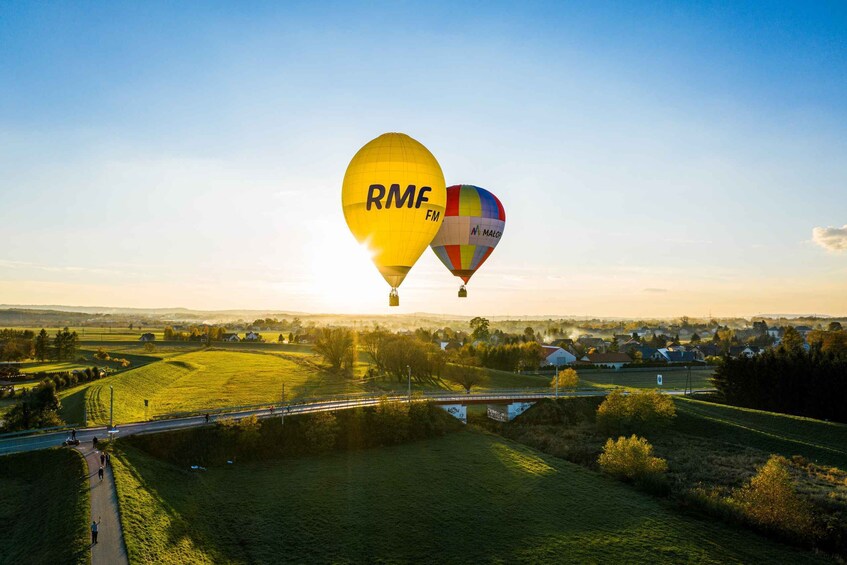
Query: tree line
[
  {"x": 790, "y": 380},
  {"x": 18, "y": 345}
]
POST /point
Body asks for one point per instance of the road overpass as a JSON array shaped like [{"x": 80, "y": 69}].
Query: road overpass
[{"x": 13, "y": 443}]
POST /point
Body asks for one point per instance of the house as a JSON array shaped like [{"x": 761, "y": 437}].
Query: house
[
  {"x": 803, "y": 330},
  {"x": 252, "y": 336},
  {"x": 450, "y": 345},
  {"x": 775, "y": 332},
  {"x": 147, "y": 337},
  {"x": 230, "y": 337},
  {"x": 609, "y": 360},
  {"x": 557, "y": 356},
  {"x": 596, "y": 342},
  {"x": 707, "y": 350},
  {"x": 677, "y": 356},
  {"x": 748, "y": 351}
]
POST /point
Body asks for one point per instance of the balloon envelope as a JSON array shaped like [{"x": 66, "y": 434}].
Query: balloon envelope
[
  {"x": 393, "y": 198},
  {"x": 473, "y": 224}
]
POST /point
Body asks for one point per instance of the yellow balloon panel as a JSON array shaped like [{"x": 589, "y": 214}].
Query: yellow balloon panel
[{"x": 394, "y": 198}]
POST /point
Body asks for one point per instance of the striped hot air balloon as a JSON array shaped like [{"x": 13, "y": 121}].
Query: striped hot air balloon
[{"x": 473, "y": 224}]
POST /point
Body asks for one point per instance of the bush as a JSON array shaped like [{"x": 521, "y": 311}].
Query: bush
[
  {"x": 635, "y": 412},
  {"x": 322, "y": 433},
  {"x": 631, "y": 459},
  {"x": 770, "y": 500},
  {"x": 568, "y": 379}
]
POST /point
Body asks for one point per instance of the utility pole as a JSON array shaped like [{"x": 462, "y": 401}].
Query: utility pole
[
  {"x": 111, "y": 407},
  {"x": 556, "y": 376},
  {"x": 282, "y": 407},
  {"x": 409, "y": 370}
]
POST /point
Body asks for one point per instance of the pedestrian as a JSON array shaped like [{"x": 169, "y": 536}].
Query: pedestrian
[
  {"x": 100, "y": 473},
  {"x": 207, "y": 417},
  {"x": 108, "y": 460},
  {"x": 102, "y": 459},
  {"x": 94, "y": 527},
  {"x": 73, "y": 434},
  {"x": 94, "y": 442}
]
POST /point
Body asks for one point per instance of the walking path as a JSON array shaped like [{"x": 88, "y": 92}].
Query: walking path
[{"x": 110, "y": 549}]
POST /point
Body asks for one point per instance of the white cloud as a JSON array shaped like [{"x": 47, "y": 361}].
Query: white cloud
[{"x": 831, "y": 239}]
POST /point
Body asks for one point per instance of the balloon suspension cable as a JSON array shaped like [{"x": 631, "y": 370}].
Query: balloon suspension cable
[
  {"x": 463, "y": 292},
  {"x": 393, "y": 297}
]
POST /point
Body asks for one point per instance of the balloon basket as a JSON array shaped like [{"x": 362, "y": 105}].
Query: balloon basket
[
  {"x": 393, "y": 298},
  {"x": 463, "y": 292}
]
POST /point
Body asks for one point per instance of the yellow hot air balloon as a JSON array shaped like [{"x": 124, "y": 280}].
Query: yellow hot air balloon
[{"x": 393, "y": 197}]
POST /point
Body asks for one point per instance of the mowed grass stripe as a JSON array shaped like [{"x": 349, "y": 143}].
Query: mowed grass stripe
[
  {"x": 464, "y": 498},
  {"x": 824, "y": 442}
]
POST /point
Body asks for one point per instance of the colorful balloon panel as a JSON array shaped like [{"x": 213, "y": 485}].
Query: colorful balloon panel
[
  {"x": 472, "y": 228},
  {"x": 394, "y": 198}
]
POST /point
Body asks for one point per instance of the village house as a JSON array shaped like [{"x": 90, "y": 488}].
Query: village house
[
  {"x": 611, "y": 360},
  {"x": 252, "y": 336},
  {"x": 230, "y": 337},
  {"x": 557, "y": 356},
  {"x": 147, "y": 337}
]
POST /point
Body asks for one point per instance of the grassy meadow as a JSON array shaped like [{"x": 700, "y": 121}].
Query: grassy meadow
[
  {"x": 467, "y": 497},
  {"x": 204, "y": 380},
  {"x": 44, "y": 506},
  {"x": 822, "y": 442}
]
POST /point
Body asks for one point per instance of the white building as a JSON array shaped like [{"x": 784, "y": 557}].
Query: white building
[{"x": 557, "y": 356}]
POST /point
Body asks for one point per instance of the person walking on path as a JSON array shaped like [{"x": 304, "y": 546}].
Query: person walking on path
[
  {"x": 108, "y": 460},
  {"x": 102, "y": 459},
  {"x": 73, "y": 434},
  {"x": 100, "y": 473},
  {"x": 95, "y": 524}
]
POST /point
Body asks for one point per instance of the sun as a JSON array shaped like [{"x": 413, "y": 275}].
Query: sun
[{"x": 345, "y": 278}]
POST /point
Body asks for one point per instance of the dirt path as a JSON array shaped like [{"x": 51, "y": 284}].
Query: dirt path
[{"x": 110, "y": 549}]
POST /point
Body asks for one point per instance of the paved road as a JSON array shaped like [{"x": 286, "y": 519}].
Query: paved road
[
  {"x": 110, "y": 549},
  {"x": 54, "y": 439}
]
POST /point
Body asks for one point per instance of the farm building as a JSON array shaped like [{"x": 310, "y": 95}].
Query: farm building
[
  {"x": 230, "y": 337},
  {"x": 557, "y": 356},
  {"x": 147, "y": 337}
]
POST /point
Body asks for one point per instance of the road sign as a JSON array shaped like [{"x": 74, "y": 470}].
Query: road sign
[{"x": 659, "y": 380}]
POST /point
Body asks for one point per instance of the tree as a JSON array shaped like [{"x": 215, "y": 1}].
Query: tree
[
  {"x": 480, "y": 329},
  {"x": 337, "y": 346},
  {"x": 638, "y": 411},
  {"x": 528, "y": 334},
  {"x": 169, "y": 333},
  {"x": 834, "y": 327},
  {"x": 770, "y": 499},
  {"x": 42, "y": 345},
  {"x": 695, "y": 338},
  {"x": 614, "y": 346},
  {"x": 464, "y": 374},
  {"x": 568, "y": 379},
  {"x": 291, "y": 337},
  {"x": 792, "y": 340}
]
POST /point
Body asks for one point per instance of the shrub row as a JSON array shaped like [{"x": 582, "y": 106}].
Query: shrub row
[{"x": 250, "y": 439}]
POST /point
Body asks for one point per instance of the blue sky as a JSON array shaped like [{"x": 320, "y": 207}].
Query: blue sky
[{"x": 654, "y": 159}]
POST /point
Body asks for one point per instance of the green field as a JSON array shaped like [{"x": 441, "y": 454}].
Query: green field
[
  {"x": 464, "y": 498},
  {"x": 44, "y": 505},
  {"x": 183, "y": 381},
  {"x": 822, "y": 442},
  {"x": 204, "y": 380},
  {"x": 671, "y": 380}
]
